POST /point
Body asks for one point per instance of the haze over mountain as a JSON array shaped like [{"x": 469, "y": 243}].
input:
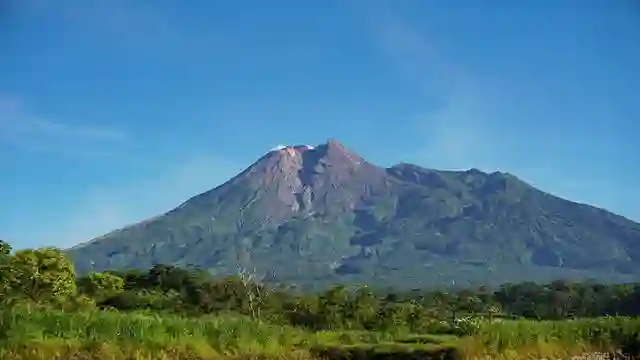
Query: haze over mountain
[{"x": 319, "y": 215}]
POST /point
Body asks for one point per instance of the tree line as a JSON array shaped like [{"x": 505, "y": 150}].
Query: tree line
[{"x": 47, "y": 276}]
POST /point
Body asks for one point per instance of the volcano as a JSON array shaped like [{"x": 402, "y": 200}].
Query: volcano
[{"x": 319, "y": 215}]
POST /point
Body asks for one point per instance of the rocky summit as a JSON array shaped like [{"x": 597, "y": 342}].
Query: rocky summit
[{"x": 315, "y": 216}]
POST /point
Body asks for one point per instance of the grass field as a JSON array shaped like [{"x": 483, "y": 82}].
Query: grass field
[
  {"x": 37, "y": 334},
  {"x": 554, "y": 339}
]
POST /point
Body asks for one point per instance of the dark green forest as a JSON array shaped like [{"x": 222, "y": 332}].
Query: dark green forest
[
  {"x": 194, "y": 291},
  {"x": 191, "y": 291}
]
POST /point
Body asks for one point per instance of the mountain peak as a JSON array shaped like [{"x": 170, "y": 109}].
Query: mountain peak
[
  {"x": 333, "y": 143},
  {"x": 316, "y": 214},
  {"x": 332, "y": 153}
]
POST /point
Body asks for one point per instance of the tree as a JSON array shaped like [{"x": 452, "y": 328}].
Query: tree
[
  {"x": 332, "y": 306},
  {"x": 493, "y": 311},
  {"x": 253, "y": 290},
  {"x": 5, "y": 269},
  {"x": 364, "y": 307},
  {"x": 42, "y": 275},
  {"x": 5, "y": 248},
  {"x": 101, "y": 286}
]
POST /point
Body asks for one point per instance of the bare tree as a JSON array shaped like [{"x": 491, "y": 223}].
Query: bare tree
[{"x": 251, "y": 282}]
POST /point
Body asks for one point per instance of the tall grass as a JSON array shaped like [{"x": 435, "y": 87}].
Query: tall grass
[
  {"x": 210, "y": 336},
  {"x": 50, "y": 333},
  {"x": 552, "y": 339},
  {"x": 39, "y": 334}
]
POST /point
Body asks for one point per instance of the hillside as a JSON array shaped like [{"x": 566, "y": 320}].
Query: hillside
[{"x": 315, "y": 216}]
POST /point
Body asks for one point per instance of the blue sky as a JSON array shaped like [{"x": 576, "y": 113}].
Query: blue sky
[{"x": 112, "y": 111}]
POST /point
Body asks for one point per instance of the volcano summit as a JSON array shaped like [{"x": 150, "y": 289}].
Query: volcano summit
[{"x": 323, "y": 214}]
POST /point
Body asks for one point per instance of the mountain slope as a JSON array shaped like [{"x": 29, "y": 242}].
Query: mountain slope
[{"x": 323, "y": 215}]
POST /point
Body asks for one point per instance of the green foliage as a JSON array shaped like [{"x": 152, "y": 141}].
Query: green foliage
[
  {"x": 5, "y": 248},
  {"x": 211, "y": 335},
  {"x": 101, "y": 286},
  {"x": 42, "y": 275},
  {"x": 5, "y": 269},
  {"x": 566, "y": 337},
  {"x": 172, "y": 313},
  {"x": 47, "y": 334}
]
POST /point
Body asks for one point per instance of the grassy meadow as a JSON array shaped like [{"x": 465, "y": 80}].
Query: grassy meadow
[{"x": 39, "y": 334}]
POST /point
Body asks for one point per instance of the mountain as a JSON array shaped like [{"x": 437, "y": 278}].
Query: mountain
[{"x": 320, "y": 215}]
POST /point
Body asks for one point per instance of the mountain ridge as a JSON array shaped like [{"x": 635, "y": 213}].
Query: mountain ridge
[{"x": 324, "y": 214}]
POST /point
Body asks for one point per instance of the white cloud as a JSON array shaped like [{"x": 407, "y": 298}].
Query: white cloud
[
  {"x": 465, "y": 131},
  {"x": 408, "y": 50},
  {"x": 19, "y": 127},
  {"x": 39, "y": 126},
  {"x": 103, "y": 208},
  {"x": 458, "y": 133}
]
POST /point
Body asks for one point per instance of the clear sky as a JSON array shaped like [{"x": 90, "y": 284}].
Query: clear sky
[{"x": 116, "y": 110}]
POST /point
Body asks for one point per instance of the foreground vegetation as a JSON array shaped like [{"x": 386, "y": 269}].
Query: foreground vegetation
[
  {"x": 171, "y": 313},
  {"x": 45, "y": 333}
]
